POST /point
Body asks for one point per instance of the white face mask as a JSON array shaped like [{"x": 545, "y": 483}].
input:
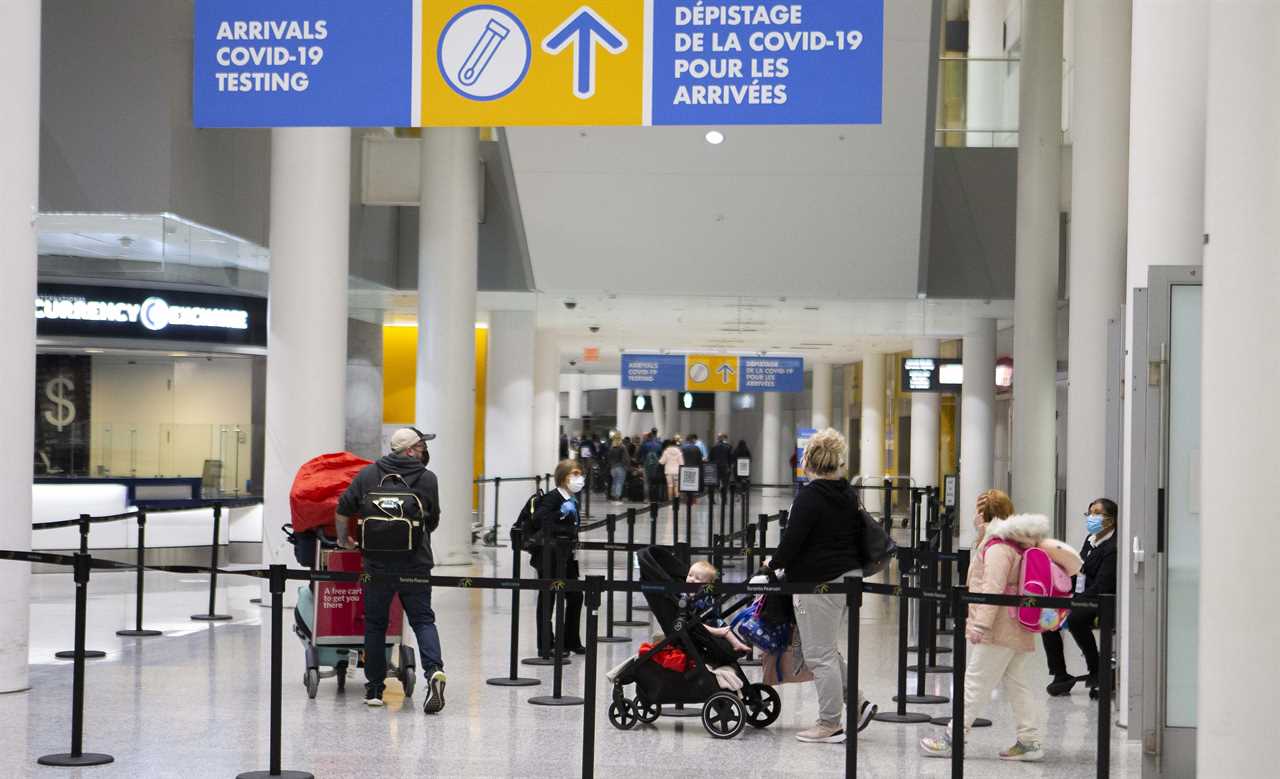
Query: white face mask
[{"x": 576, "y": 483}]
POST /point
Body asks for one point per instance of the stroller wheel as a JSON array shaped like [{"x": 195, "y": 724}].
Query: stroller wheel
[
  {"x": 312, "y": 681},
  {"x": 723, "y": 715},
  {"x": 763, "y": 705},
  {"x": 646, "y": 712},
  {"x": 622, "y": 716}
]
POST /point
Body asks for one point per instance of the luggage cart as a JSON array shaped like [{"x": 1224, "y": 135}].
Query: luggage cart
[{"x": 333, "y": 634}]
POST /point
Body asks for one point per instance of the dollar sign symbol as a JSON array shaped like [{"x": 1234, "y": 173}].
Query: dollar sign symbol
[{"x": 65, "y": 412}]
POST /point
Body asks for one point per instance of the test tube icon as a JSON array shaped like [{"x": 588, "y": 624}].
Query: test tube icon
[{"x": 495, "y": 32}]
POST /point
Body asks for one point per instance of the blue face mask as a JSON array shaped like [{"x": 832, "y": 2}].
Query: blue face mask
[{"x": 1093, "y": 523}]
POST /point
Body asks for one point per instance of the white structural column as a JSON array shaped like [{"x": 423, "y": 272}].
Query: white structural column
[
  {"x": 623, "y": 410},
  {"x": 925, "y": 408},
  {"x": 546, "y": 403},
  {"x": 985, "y": 84},
  {"x": 573, "y": 381},
  {"x": 1035, "y": 302},
  {"x": 1099, "y": 206},
  {"x": 306, "y": 313},
  {"x": 770, "y": 441},
  {"x": 19, "y": 170},
  {"x": 871, "y": 444},
  {"x": 821, "y": 418},
  {"x": 660, "y": 413},
  {"x": 508, "y": 449},
  {"x": 723, "y": 414},
  {"x": 1240, "y": 422},
  {"x": 977, "y": 425},
  {"x": 448, "y": 242},
  {"x": 671, "y": 413}
]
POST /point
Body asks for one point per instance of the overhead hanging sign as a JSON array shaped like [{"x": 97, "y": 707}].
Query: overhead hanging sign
[
  {"x": 712, "y": 373},
  {"x": 273, "y": 63},
  {"x": 773, "y": 374},
  {"x": 653, "y": 371}
]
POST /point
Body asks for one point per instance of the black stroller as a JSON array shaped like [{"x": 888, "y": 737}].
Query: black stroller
[{"x": 724, "y": 713}]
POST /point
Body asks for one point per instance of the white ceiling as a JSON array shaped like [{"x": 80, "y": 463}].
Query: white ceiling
[{"x": 831, "y": 211}]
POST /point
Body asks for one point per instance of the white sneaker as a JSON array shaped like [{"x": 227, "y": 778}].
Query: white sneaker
[
  {"x": 822, "y": 734},
  {"x": 866, "y": 713}
]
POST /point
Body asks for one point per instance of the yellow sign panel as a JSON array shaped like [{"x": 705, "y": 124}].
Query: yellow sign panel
[
  {"x": 532, "y": 62},
  {"x": 711, "y": 373}
]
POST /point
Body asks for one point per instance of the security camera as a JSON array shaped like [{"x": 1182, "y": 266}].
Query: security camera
[
  {"x": 571, "y": 304},
  {"x": 594, "y": 328},
  {"x": 573, "y": 363}
]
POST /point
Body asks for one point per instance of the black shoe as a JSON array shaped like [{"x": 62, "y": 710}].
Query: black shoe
[
  {"x": 551, "y": 655},
  {"x": 578, "y": 650},
  {"x": 1093, "y": 694},
  {"x": 1091, "y": 681},
  {"x": 1061, "y": 685},
  {"x": 435, "y": 693}
]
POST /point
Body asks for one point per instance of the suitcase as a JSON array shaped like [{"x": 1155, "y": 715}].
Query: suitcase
[{"x": 634, "y": 490}]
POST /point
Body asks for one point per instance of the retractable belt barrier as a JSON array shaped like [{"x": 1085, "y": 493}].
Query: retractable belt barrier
[{"x": 593, "y": 587}]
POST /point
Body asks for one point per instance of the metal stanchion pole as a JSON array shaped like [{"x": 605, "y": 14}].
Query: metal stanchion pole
[
  {"x": 497, "y": 485},
  {"x": 853, "y": 599},
  {"x": 609, "y": 637},
  {"x": 594, "y": 586},
  {"x": 711, "y": 518},
  {"x": 511, "y": 679},
  {"x": 277, "y": 583},
  {"x": 137, "y": 631},
  {"x": 957, "y": 684},
  {"x": 556, "y": 698},
  {"x": 923, "y": 616},
  {"x": 901, "y": 715},
  {"x": 1107, "y": 612},
  {"x": 77, "y": 756},
  {"x": 630, "y": 621},
  {"x": 211, "y": 615},
  {"x": 72, "y": 654},
  {"x": 886, "y": 511},
  {"x": 675, "y": 520},
  {"x": 750, "y": 660},
  {"x": 545, "y": 572}
]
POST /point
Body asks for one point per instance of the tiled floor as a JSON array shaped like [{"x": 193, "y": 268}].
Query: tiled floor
[{"x": 194, "y": 703}]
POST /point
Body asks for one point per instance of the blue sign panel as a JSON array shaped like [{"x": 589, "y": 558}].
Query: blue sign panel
[
  {"x": 300, "y": 63},
  {"x": 772, "y": 374},
  {"x": 800, "y": 62},
  {"x": 653, "y": 371}
]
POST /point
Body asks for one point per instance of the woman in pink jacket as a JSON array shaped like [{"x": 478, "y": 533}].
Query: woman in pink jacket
[{"x": 1000, "y": 650}]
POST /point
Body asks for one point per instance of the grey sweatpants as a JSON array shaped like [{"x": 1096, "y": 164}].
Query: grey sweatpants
[{"x": 821, "y": 620}]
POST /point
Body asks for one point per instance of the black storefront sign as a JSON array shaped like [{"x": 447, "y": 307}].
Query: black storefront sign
[
  {"x": 82, "y": 311},
  {"x": 63, "y": 390}
]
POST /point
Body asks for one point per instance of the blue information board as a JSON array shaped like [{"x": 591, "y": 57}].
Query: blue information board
[
  {"x": 772, "y": 374},
  {"x": 299, "y": 63},
  {"x": 799, "y": 62},
  {"x": 653, "y": 371}
]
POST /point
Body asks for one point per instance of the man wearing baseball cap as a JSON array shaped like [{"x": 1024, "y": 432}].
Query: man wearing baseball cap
[{"x": 405, "y": 468}]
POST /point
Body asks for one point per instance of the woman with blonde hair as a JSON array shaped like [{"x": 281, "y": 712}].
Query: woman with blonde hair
[
  {"x": 671, "y": 460},
  {"x": 823, "y": 543}
]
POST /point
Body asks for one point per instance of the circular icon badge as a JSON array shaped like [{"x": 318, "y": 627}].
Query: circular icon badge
[
  {"x": 154, "y": 314},
  {"x": 699, "y": 372},
  {"x": 484, "y": 52}
]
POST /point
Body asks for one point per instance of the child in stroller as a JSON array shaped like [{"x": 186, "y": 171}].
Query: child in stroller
[{"x": 712, "y": 664}]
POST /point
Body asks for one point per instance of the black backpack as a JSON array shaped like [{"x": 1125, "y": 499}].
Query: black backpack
[
  {"x": 393, "y": 521},
  {"x": 530, "y": 538}
]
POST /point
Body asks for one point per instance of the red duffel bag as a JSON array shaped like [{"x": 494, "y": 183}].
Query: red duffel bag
[{"x": 317, "y": 487}]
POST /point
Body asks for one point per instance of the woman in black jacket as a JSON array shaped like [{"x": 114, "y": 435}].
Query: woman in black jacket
[
  {"x": 1097, "y": 577},
  {"x": 823, "y": 543},
  {"x": 556, "y": 518}
]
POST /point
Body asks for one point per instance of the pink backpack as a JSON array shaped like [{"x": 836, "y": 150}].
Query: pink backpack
[{"x": 1038, "y": 577}]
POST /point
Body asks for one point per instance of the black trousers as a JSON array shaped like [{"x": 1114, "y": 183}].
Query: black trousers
[
  {"x": 1080, "y": 623},
  {"x": 546, "y": 604}
]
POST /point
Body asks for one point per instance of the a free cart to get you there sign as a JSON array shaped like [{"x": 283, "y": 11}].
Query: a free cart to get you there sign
[{"x": 434, "y": 63}]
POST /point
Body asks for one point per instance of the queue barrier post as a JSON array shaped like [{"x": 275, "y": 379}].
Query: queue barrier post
[
  {"x": 957, "y": 684},
  {"x": 609, "y": 637},
  {"x": 1107, "y": 624},
  {"x": 655, "y": 508},
  {"x": 688, "y": 517},
  {"x": 923, "y": 617},
  {"x": 594, "y": 586},
  {"x": 77, "y": 756},
  {"x": 90, "y": 654},
  {"x": 958, "y": 607},
  {"x": 886, "y": 511},
  {"x": 711, "y": 520},
  {"x": 511, "y": 679},
  {"x": 497, "y": 486},
  {"x": 630, "y": 621},
  {"x": 211, "y": 615},
  {"x": 138, "y": 631},
  {"x": 675, "y": 520},
  {"x": 853, "y": 600},
  {"x": 276, "y": 584},
  {"x": 901, "y": 715},
  {"x": 751, "y": 660},
  {"x": 557, "y": 698},
  {"x": 542, "y": 658}
]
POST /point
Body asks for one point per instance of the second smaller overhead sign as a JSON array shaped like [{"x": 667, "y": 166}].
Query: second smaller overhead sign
[{"x": 712, "y": 373}]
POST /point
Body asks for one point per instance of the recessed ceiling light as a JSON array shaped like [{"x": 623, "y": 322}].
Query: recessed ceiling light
[{"x": 715, "y": 137}]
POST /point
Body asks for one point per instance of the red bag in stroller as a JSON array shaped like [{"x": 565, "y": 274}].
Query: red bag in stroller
[{"x": 316, "y": 488}]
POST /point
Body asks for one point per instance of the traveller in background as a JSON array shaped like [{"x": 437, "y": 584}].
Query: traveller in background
[
  {"x": 671, "y": 460},
  {"x": 823, "y": 543},
  {"x": 617, "y": 460},
  {"x": 630, "y": 445},
  {"x": 1097, "y": 577},
  {"x": 691, "y": 451},
  {"x": 702, "y": 446},
  {"x": 721, "y": 455},
  {"x": 1000, "y": 649},
  {"x": 650, "y": 461},
  {"x": 564, "y": 446},
  {"x": 405, "y": 467},
  {"x": 556, "y": 518}
]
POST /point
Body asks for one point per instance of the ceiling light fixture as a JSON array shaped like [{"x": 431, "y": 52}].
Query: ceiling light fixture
[{"x": 715, "y": 137}]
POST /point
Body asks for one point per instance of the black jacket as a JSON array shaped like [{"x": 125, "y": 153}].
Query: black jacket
[
  {"x": 692, "y": 454},
  {"x": 721, "y": 454},
  {"x": 823, "y": 538},
  {"x": 1099, "y": 569},
  {"x": 424, "y": 485},
  {"x": 548, "y": 522}
]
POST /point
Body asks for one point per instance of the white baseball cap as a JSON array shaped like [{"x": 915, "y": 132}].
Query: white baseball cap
[{"x": 407, "y": 437}]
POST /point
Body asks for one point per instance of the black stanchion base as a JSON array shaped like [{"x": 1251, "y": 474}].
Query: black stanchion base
[
  {"x": 942, "y": 650},
  {"x": 544, "y": 661},
  {"x": 507, "y": 681},
  {"x": 977, "y": 723},
  {"x": 89, "y": 654},
  {"x": 551, "y": 700},
  {"x": 281, "y": 775},
  {"x": 139, "y": 633},
  {"x": 750, "y": 662},
  {"x": 639, "y": 608},
  {"x": 70, "y": 761},
  {"x": 672, "y": 711},
  {"x": 932, "y": 669},
  {"x": 925, "y": 699},
  {"x": 614, "y": 639},
  {"x": 632, "y": 623},
  {"x": 255, "y": 600},
  {"x": 910, "y": 718},
  {"x": 213, "y": 618}
]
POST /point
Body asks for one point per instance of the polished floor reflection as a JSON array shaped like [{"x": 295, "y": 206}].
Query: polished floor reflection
[{"x": 194, "y": 702}]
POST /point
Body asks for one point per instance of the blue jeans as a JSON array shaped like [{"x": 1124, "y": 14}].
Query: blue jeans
[
  {"x": 416, "y": 600},
  {"x": 619, "y": 474}
]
